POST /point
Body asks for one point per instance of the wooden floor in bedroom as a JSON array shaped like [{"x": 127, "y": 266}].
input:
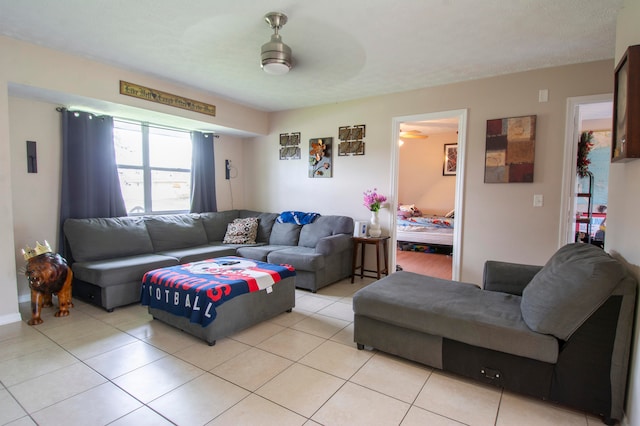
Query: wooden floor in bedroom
[{"x": 432, "y": 264}]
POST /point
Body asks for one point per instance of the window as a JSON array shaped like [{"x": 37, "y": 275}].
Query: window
[{"x": 154, "y": 165}]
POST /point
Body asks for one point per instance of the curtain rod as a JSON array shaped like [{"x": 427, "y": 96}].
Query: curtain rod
[{"x": 155, "y": 125}]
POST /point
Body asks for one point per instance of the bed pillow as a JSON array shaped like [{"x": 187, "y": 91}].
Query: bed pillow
[
  {"x": 406, "y": 207},
  {"x": 242, "y": 231}
]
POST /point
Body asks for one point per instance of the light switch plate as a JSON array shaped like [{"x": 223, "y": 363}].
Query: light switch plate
[{"x": 538, "y": 200}]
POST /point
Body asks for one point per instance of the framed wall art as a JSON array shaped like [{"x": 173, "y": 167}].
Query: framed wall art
[
  {"x": 450, "y": 159},
  {"x": 320, "y": 165},
  {"x": 290, "y": 146},
  {"x": 351, "y": 140},
  {"x": 510, "y": 149}
]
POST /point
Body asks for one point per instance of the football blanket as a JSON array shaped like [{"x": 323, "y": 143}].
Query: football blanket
[{"x": 194, "y": 290}]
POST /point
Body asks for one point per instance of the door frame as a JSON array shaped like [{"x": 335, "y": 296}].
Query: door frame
[
  {"x": 566, "y": 232},
  {"x": 461, "y": 115}
]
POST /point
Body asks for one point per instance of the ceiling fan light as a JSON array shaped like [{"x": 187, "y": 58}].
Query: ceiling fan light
[{"x": 275, "y": 55}]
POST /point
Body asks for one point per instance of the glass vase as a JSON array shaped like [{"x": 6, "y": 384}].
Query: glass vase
[{"x": 374, "y": 225}]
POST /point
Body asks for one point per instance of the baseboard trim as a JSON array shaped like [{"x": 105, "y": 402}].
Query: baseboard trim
[{"x": 10, "y": 318}]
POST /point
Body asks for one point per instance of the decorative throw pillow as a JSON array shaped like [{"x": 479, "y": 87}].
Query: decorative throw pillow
[{"x": 242, "y": 231}]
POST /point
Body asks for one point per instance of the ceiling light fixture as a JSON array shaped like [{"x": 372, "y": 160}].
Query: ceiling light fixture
[{"x": 276, "y": 56}]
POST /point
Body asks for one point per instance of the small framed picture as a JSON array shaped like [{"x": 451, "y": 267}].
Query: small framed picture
[{"x": 450, "y": 159}]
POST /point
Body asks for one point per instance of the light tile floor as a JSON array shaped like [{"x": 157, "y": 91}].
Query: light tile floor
[{"x": 124, "y": 368}]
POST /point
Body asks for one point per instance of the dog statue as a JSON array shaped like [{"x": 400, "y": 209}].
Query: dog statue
[{"x": 47, "y": 274}]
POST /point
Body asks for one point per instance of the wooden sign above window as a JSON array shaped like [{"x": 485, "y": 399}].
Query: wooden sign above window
[{"x": 165, "y": 98}]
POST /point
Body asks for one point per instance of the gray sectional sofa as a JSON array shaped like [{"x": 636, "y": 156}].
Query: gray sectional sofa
[
  {"x": 561, "y": 332},
  {"x": 109, "y": 256}
]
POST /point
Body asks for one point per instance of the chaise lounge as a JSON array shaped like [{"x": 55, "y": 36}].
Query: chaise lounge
[{"x": 561, "y": 332}]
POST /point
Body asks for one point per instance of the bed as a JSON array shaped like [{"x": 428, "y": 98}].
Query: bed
[
  {"x": 413, "y": 227},
  {"x": 426, "y": 229},
  {"x": 218, "y": 297}
]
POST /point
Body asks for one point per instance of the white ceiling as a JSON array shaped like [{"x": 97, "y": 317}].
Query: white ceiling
[{"x": 342, "y": 49}]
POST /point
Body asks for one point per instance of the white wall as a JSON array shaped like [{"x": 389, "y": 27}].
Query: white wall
[
  {"x": 35, "y": 196},
  {"x": 9, "y": 300},
  {"x": 499, "y": 221},
  {"x": 623, "y": 232},
  {"x": 420, "y": 178}
]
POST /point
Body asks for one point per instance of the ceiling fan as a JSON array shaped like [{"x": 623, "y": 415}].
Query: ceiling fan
[{"x": 413, "y": 134}]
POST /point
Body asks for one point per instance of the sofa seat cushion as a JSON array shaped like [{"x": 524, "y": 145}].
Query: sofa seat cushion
[
  {"x": 571, "y": 286},
  {"x": 195, "y": 254},
  {"x": 456, "y": 311},
  {"x": 105, "y": 273},
  {"x": 106, "y": 238},
  {"x": 170, "y": 232},
  {"x": 301, "y": 258},
  {"x": 259, "y": 252}
]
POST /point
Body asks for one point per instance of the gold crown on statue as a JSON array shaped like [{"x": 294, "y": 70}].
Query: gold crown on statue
[{"x": 39, "y": 249}]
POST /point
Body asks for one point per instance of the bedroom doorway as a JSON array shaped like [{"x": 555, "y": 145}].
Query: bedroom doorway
[
  {"x": 427, "y": 171},
  {"x": 584, "y": 114}
]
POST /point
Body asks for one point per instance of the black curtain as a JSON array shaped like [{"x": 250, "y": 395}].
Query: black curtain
[
  {"x": 90, "y": 186},
  {"x": 203, "y": 172}
]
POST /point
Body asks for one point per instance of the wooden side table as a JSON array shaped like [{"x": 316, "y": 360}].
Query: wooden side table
[{"x": 362, "y": 242}]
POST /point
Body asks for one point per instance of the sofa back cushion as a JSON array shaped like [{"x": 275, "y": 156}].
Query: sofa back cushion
[
  {"x": 107, "y": 238},
  {"x": 215, "y": 223},
  {"x": 265, "y": 224},
  {"x": 169, "y": 232},
  {"x": 324, "y": 226},
  {"x": 285, "y": 234},
  {"x": 569, "y": 288}
]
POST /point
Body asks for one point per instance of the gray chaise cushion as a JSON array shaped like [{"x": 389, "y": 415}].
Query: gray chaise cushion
[
  {"x": 170, "y": 232},
  {"x": 456, "y": 311},
  {"x": 285, "y": 234},
  {"x": 106, "y": 238},
  {"x": 570, "y": 287}
]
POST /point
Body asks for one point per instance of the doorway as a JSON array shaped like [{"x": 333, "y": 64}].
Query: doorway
[
  {"x": 584, "y": 201},
  {"x": 429, "y": 189}
]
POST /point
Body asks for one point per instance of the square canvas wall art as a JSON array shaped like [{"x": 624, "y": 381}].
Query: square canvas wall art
[{"x": 510, "y": 149}]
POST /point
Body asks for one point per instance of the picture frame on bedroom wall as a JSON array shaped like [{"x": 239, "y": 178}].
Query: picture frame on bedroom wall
[
  {"x": 450, "y": 159},
  {"x": 510, "y": 150}
]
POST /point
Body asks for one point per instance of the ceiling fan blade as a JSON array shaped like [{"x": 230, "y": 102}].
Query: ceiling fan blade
[{"x": 413, "y": 134}]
